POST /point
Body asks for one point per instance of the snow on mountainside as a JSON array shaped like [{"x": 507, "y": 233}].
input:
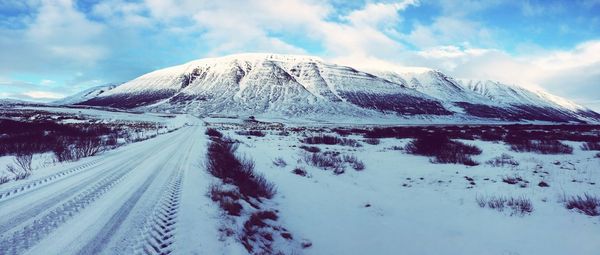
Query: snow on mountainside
[
  {"x": 514, "y": 95},
  {"x": 85, "y": 95},
  {"x": 278, "y": 85},
  {"x": 17, "y": 102},
  {"x": 307, "y": 87}
]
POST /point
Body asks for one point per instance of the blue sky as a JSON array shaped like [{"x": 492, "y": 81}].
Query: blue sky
[{"x": 52, "y": 48}]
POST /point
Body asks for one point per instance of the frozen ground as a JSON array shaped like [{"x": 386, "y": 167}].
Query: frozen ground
[
  {"x": 403, "y": 204},
  {"x": 150, "y": 197}
]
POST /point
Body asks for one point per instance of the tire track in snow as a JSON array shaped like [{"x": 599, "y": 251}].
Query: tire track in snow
[
  {"x": 102, "y": 238},
  {"x": 9, "y": 223},
  {"x": 22, "y": 239},
  {"x": 158, "y": 233},
  {"x": 44, "y": 181}
]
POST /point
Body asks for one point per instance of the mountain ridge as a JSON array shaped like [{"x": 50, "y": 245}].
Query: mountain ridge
[{"x": 305, "y": 86}]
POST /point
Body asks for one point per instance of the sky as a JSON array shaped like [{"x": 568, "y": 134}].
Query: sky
[{"x": 53, "y": 48}]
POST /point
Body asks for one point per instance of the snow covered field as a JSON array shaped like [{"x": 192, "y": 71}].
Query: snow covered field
[
  {"x": 403, "y": 204},
  {"x": 151, "y": 197}
]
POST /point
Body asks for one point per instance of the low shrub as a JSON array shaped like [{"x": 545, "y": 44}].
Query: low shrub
[
  {"x": 24, "y": 161},
  {"x": 217, "y": 193},
  {"x": 213, "y": 133},
  {"x": 19, "y": 174},
  {"x": 300, "y": 171},
  {"x": 224, "y": 164},
  {"x": 512, "y": 179},
  {"x": 591, "y": 146},
  {"x": 326, "y": 161},
  {"x": 22, "y": 175},
  {"x": 503, "y": 160},
  {"x": 257, "y": 133},
  {"x": 518, "y": 206},
  {"x": 443, "y": 150},
  {"x": 586, "y": 204},
  {"x": 4, "y": 179},
  {"x": 491, "y": 135},
  {"x": 331, "y": 140},
  {"x": 68, "y": 141},
  {"x": 279, "y": 162},
  {"x": 372, "y": 141},
  {"x": 254, "y": 231},
  {"x": 227, "y": 199},
  {"x": 357, "y": 164},
  {"x": 312, "y": 149},
  {"x": 540, "y": 146}
]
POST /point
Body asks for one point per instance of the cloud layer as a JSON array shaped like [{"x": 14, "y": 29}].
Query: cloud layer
[{"x": 52, "y": 48}]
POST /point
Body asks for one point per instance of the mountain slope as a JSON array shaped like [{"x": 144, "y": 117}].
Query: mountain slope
[
  {"x": 308, "y": 87},
  {"x": 278, "y": 85},
  {"x": 489, "y": 99},
  {"x": 85, "y": 95}
]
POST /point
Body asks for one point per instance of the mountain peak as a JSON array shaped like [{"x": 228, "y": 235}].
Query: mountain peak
[
  {"x": 278, "y": 85},
  {"x": 254, "y": 57}
]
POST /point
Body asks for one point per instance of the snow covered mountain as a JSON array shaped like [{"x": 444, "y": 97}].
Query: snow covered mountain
[
  {"x": 308, "y": 87},
  {"x": 86, "y": 94},
  {"x": 16, "y": 102}
]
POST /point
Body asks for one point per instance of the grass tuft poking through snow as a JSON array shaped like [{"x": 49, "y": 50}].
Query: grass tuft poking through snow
[
  {"x": 227, "y": 199},
  {"x": 3, "y": 179},
  {"x": 443, "y": 150},
  {"x": 517, "y": 206},
  {"x": 19, "y": 174},
  {"x": 331, "y": 160},
  {"x": 356, "y": 163},
  {"x": 257, "y": 133},
  {"x": 300, "y": 171},
  {"x": 540, "y": 146},
  {"x": 503, "y": 160},
  {"x": 331, "y": 140},
  {"x": 372, "y": 141},
  {"x": 591, "y": 146},
  {"x": 312, "y": 149},
  {"x": 326, "y": 161},
  {"x": 586, "y": 204},
  {"x": 279, "y": 162}
]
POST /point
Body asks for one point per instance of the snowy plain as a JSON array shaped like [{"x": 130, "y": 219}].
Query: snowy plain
[
  {"x": 151, "y": 197},
  {"x": 403, "y": 204}
]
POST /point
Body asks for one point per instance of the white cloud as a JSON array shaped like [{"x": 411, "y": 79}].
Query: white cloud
[
  {"x": 43, "y": 95},
  {"x": 248, "y": 25},
  {"x": 57, "y": 38},
  {"x": 585, "y": 54},
  {"x": 449, "y": 30},
  {"x": 375, "y": 14},
  {"x": 46, "y": 82},
  {"x": 573, "y": 73},
  {"x": 65, "y": 32}
]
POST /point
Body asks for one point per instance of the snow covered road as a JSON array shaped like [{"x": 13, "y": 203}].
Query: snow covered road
[{"x": 126, "y": 201}]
